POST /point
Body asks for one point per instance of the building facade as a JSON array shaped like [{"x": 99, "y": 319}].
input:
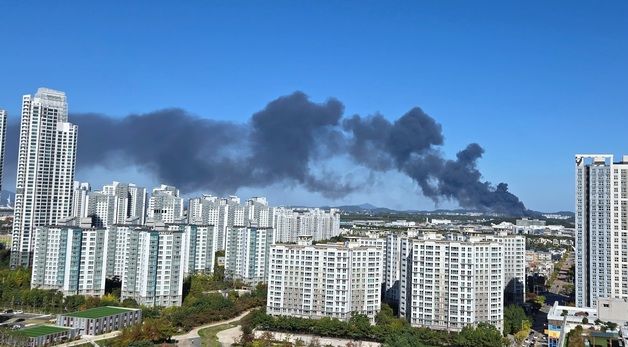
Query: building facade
[
  {"x": 247, "y": 253},
  {"x": 131, "y": 202},
  {"x": 451, "y": 282},
  {"x": 100, "y": 320},
  {"x": 154, "y": 266},
  {"x": 290, "y": 223},
  {"x": 324, "y": 280},
  {"x": 3, "y": 140},
  {"x": 601, "y": 228},
  {"x": 79, "y": 199},
  {"x": 45, "y": 174},
  {"x": 165, "y": 205},
  {"x": 71, "y": 260}
]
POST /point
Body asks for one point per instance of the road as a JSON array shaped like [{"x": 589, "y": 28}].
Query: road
[
  {"x": 192, "y": 338},
  {"x": 537, "y": 336}
]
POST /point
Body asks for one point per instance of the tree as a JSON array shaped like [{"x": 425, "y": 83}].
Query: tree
[
  {"x": 385, "y": 315},
  {"x": 585, "y": 320},
  {"x": 484, "y": 335},
  {"x": 514, "y": 316},
  {"x": 523, "y": 333}
]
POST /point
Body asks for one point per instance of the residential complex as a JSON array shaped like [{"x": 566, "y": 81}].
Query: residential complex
[
  {"x": 289, "y": 223},
  {"x": 324, "y": 280},
  {"x": 45, "y": 174},
  {"x": 601, "y": 255}
]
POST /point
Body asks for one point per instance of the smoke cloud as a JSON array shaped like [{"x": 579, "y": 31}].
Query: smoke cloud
[{"x": 288, "y": 142}]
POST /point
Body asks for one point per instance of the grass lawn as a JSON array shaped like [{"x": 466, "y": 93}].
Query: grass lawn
[
  {"x": 208, "y": 335},
  {"x": 98, "y": 312}
]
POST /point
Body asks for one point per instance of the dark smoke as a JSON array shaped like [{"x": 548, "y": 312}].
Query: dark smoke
[
  {"x": 287, "y": 142},
  {"x": 409, "y": 144}
]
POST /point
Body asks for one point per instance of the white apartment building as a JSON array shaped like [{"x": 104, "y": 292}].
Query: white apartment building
[
  {"x": 69, "y": 259},
  {"x": 601, "y": 228},
  {"x": 79, "y": 199},
  {"x": 514, "y": 266},
  {"x": 200, "y": 247},
  {"x": 246, "y": 253},
  {"x": 154, "y": 266},
  {"x": 165, "y": 205},
  {"x": 324, "y": 280},
  {"x": 102, "y": 208},
  {"x": 227, "y": 212},
  {"x": 131, "y": 202},
  {"x": 391, "y": 267},
  {"x": 45, "y": 169},
  {"x": 3, "y": 138},
  {"x": 289, "y": 223},
  {"x": 449, "y": 283}
]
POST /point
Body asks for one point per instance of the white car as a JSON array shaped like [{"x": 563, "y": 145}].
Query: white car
[{"x": 19, "y": 312}]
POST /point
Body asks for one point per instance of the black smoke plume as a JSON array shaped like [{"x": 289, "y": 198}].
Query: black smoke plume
[{"x": 287, "y": 142}]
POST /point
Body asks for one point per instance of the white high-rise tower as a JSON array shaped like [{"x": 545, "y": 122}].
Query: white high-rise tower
[
  {"x": 3, "y": 136},
  {"x": 45, "y": 169},
  {"x": 601, "y": 228}
]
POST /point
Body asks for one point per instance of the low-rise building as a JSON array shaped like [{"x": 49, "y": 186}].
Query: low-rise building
[
  {"x": 100, "y": 320},
  {"x": 40, "y": 335},
  {"x": 562, "y": 319}
]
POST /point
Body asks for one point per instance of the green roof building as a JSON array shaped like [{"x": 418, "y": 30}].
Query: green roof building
[
  {"x": 100, "y": 320},
  {"x": 41, "y": 335}
]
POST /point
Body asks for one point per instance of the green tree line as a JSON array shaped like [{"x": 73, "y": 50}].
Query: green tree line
[{"x": 389, "y": 330}]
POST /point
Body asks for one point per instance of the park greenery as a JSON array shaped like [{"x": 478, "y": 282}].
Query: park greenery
[
  {"x": 208, "y": 299},
  {"x": 389, "y": 330}
]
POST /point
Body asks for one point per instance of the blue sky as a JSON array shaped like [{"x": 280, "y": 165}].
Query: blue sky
[{"x": 533, "y": 82}]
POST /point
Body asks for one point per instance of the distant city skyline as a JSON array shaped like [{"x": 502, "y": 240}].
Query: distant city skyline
[{"x": 549, "y": 83}]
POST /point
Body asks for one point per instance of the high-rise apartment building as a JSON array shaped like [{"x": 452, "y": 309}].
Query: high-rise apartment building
[
  {"x": 451, "y": 282},
  {"x": 154, "y": 266},
  {"x": 200, "y": 247},
  {"x": 324, "y": 280},
  {"x": 246, "y": 253},
  {"x": 79, "y": 199},
  {"x": 514, "y": 266},
  {"x": 70, "y": 259},
  {"x": 290, "y": 223},
  {"x": 45, "y": 169},
  {"x": 102, "y": 208},
  {"x": 131, "y": 202},
  {"x": 228, "y": 212},
  {"x": 3, "y": 138},
  {"x": 601, "y": 228},
  {"x": 165, "y": 205}
]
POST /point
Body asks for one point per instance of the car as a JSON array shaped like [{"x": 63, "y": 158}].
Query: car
[
  {"x": 8, "y": 311},
  {"x": 19, "y": 312}
]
